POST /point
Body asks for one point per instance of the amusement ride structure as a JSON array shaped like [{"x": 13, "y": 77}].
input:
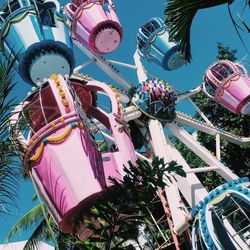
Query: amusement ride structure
[{"x": 62, "y": 114}]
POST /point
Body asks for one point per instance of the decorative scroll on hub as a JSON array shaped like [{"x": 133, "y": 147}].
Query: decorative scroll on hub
[{"x": 156, "y": 99}]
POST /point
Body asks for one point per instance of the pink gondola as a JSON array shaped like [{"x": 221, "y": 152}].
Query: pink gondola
[
  {"x": 228, "y": 84},
  {"x": 95, "y": 24},
  {"x": 60, "y": 151}
]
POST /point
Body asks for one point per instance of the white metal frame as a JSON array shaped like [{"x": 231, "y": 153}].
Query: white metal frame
[{"x": 190, "y": 187}]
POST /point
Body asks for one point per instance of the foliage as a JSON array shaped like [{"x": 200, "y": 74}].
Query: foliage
[
  {"x": 233, "y": 156},
  {"x": 224, "y": 52},
  {"x": 113, "y": 218},
  {"x": 8, "y": 162},
  {"x": 179, "y": 15},
  {"x": 118, "y": 219},
  {"x": 42, "y": 230},
  {"x": 34, "y": 218},
  {"x": 65, "y": 241}
]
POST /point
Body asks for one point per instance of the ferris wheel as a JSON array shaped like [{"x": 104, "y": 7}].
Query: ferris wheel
[{"x": 64, "y": 113}]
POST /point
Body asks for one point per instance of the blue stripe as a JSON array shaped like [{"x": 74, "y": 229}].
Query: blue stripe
[
  {"x": 68, "y": 38},
  {"x": 48, "y": 33},
  {"x": 36, "y": 26},
  {"x": 161, "y": 45},
  {"x": 155, "y": 54},
  {"x": 14, "y": 41}
]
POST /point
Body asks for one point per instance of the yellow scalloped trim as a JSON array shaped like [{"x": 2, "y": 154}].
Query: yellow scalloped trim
[
  {"x": 16, "y": 20},
  {"x": 37, "y": 156},
  {"x": 61, "y": 137},
  {"x": 227, "y": 84},
  {"x": 55, "y": 139},
  {"x": 153, "y": 39},
  {"x": 235, "y": 78},
  {"x": 85, "y": 8},
  {"x": 161, "y": 32}
]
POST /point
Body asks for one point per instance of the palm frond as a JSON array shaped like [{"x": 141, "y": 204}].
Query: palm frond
[
  {"x": 8, "y": 159},
  {"x": 237, "y": 27},
  {"x": 66, "y": 241},
  {"x": 42, "y": 232},
  {"x": 37, "y": 236},
  {"x": 32, "y": 218},
  {"x": 8, "y": 183},
  {"x": 179, "y": 15}
]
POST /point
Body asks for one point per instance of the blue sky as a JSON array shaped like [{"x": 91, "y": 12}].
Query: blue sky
[{"x": 209, "y": 27}]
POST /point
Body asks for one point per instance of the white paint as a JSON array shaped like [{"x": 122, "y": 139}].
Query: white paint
[
  {"x": 201, "y": 151},
  {"x": 26, "y": 32},
  {"x": 59, "y": 33},
  {"x": 161, "y": 149},
  {"x": 141, "y": 73},
  {"x": 47, "y": 65},
  {"x": 211, "y": 130},
  {"x": 105, "y": 67},
  {"x": 20, "y": 245}
]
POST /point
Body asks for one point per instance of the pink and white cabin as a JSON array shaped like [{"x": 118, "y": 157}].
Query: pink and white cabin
[{"x": 61, "y": 153}]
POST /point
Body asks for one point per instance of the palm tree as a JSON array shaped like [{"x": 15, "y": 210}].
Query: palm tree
[
  {"x": 44, "y": 229},
  {"x": 104, "y": 234},
  {"x": 8, "y": 160},
  {"x": 113, "y": 218},
  {"x": 179, "y": 15}
]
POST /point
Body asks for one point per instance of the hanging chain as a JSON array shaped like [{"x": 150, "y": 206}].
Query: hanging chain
[{"x": 86, "y": 122}]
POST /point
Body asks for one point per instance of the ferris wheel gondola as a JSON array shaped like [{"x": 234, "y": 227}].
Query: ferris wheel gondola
[
  {"x": 68, "y": 169},
  {"x": 95, "y": 24},
  {"x": 228, "y": 84},
  {"x": 154, "y": 45},
  {"x": 60, "y": 123},
  {"x": 155, "y": 99},
  {"x": 36, "y": 31},
  {"x": 223, "y": 218}
]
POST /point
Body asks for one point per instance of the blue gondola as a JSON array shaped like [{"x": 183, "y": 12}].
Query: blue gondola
[
  {"x": 153, "y": 44},
  {"x": 37, "y": 32},
  {"x": 222, "y": 220}
]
